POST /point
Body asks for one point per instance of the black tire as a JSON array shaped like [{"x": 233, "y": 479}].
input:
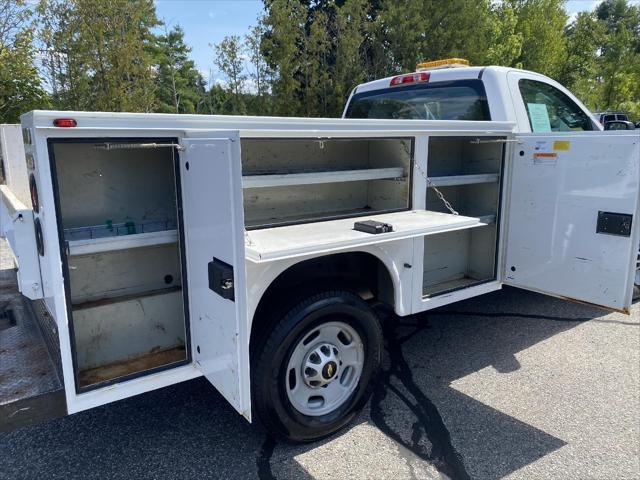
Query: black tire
[{"x": 270, "y": 357}]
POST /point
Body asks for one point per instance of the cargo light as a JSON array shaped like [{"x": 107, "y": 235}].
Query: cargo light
[
  {"x": 409, "y": 78},
  {"x": 64, "y": 122},
  {"x": 445, "y": 63}
]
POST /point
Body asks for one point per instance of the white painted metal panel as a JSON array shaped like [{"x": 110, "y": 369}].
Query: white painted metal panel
[
  {"x": 17, "y": 225},
  {"x": 211, "y": 178},
  {"x": 14, "y": 162},
  {"x": 559, "y": 183}
]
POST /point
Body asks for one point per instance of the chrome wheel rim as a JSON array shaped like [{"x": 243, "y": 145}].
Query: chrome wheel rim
[{"x": 324, "y": 368}]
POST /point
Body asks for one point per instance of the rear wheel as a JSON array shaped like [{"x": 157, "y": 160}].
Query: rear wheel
[{"x": 313, "y": 371}]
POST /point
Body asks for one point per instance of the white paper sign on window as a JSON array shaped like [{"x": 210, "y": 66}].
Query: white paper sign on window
[{"x": 539, "y": 117}]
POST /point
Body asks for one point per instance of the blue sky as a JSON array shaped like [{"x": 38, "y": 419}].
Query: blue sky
[{"x": 209, "y": 21}]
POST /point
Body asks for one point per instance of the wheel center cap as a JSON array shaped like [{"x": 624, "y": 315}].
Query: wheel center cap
[{"x": 329, "y": 370}]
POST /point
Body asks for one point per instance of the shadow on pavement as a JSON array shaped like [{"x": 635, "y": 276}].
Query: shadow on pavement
[{"x": 188, "y": 430}]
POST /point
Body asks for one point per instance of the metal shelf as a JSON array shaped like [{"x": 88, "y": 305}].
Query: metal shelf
[
  {"x": 453, "y": 180},
  {"x": 108, "y": 244},
  {"x": 296, "y": 240},
  {"x": 102, "y": 238},
  {"x": 283, "y": 180}
]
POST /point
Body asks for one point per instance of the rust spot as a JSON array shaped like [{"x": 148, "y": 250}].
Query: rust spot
[{"x": 123, "y": 368}]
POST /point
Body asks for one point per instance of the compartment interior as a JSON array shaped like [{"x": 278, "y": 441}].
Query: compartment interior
[
  {"x": 467, "y": 172},
  {"x": 303, "y": 180},
  {"x": 118, "y": 209}
]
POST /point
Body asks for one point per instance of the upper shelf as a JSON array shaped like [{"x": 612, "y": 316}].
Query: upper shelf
[
  {"x": 283, "y": 180},
  {"x": 453, "y": 180},
  {"x": 122, "y": 242},
  {"x": 297, "y": 240}
]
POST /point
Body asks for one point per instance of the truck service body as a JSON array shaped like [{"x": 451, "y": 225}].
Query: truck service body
[{"x": 167, "y": 247}]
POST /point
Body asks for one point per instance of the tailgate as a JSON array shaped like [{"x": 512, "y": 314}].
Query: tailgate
[{"x": 18, "y": 226}]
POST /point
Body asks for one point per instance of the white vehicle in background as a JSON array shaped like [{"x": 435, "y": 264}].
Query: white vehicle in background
[
  {"x": 252, "y": 250},
  {"x": 452, "y": 90}
]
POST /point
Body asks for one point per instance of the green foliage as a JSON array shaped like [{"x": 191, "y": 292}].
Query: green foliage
[
  {"x": 20, "y": 85},
  {"x": 259, "y": 72},
  {"x": 303, "y": 57},
  {"x": 228, "y": 59},
  {"x": 541, "y": 24},
  {"x": 99, "y": 54},
  {"x": 603, "y": 57},
  {"x": 179, "y": 85}
]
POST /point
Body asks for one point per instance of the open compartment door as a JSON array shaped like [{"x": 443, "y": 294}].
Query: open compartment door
[
  {"x": 572, "y": 227},
  {"x": 24, "y": 236},
  {"x": 213, "y": 226}
]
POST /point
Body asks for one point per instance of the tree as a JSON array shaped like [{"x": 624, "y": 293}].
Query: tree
[
  {"x": 619, "y": 62},
  {"x": 229, "y": 61},
  {"x": 350, "y": 68},
  {"x": 317, "y": 51},
  {"x": 418, "y": 30},
  {"x": 284, "y": 38},
  {"x": 504, "y": 42},
  {"x": 179, "y": 85},
  {"x": 260, "y": 73},
  {"x": 98, "y": 54},
  {"x": 20, "y": 85},
  {"x": 579, "y": 73},
  {"x": 541, "y": 24}
]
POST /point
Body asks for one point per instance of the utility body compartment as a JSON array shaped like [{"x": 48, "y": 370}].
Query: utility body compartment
[{"x": 161, "y": 233}]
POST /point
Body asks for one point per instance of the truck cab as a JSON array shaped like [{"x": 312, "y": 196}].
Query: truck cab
[{"x": 451, "y": 90}]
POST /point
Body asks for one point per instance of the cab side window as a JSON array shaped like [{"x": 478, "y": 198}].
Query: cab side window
[{"x": 550, "y": 110}]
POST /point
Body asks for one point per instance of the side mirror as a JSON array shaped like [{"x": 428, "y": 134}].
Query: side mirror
[{"x": 619, "y": 125}]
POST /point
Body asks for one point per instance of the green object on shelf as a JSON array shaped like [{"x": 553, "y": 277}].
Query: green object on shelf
[
  {"x": 109, "y": 224},
  {"x": 131, "y": 228}
]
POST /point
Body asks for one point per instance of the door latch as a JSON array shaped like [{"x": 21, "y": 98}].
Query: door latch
[
  {"x": 611, "y": 223},
  {"x": 221, "y": 279}
]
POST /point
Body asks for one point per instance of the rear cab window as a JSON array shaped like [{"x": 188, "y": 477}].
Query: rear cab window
[
  {"x": 449, "y": 100},
  {"x": 551, "y": 110}
]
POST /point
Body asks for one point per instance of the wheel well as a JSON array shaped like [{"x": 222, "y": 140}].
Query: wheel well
[{"x": 359, "y": 272}]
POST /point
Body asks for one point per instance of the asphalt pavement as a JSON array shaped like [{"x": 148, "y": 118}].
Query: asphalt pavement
[{"x": 508, "y": 385}]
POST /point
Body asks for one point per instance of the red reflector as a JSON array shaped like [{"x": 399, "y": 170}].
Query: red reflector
[
  {"x": 410, "y": 78},
  {"x": 64, "y": 122}
]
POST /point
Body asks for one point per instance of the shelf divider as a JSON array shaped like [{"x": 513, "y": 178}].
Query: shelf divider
[
  {"x": 283, "y": 180},
  {"x": 453, "y": 180}
]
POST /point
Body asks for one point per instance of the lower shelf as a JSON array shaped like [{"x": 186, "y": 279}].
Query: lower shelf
[
  {"x": 123, "y": 368},
  {"x": 440, "y": 288}
]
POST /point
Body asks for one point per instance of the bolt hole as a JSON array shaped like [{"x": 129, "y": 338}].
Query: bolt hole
[
  {"x": 343, "y": 338},
  {"x": 310, "y": 372},
  {"x": 522, "y": 153},
  {"x": 292, "y": 379},
  {"x": 198, "y": 348},
  {"x": 324, "y": 349},
  {"x": 513, "y": 269},
  {"x": 315, "y": 358},
  {"x": 186, "y": 165},
  {"x": 310, "y": 338},
  {"x": 168, "y": 279}
]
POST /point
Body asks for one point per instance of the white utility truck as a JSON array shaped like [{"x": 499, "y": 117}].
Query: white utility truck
[{"x": 251, "y": 250}]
